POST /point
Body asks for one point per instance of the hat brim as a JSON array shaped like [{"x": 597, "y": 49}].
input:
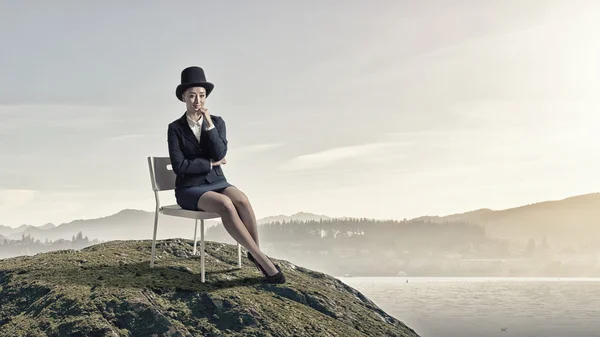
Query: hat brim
[{"x": 183, "y": 87}]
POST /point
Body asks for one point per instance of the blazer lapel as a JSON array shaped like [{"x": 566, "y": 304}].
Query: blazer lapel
[{"x": 187, "y": 132}]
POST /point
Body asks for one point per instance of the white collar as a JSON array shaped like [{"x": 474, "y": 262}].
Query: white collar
[{"x": 192, "y": 123}]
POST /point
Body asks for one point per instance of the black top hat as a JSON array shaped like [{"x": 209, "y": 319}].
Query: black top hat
[{"x": 193, "y": 77}]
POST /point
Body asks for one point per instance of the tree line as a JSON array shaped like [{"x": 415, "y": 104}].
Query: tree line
[
  {"x": 368, "y": 234},
  {"x": 28, "y": 245}
]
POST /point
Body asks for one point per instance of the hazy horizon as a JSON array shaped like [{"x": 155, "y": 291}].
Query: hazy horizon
[
  {"x": 391, "y": 111},
  {"x": 295, "y": 213}
]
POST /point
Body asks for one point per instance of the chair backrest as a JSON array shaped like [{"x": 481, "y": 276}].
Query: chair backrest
[{"x": 161, "y": 173}]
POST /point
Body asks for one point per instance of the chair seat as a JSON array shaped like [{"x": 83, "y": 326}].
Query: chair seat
[{"x": 176, "y": 210}]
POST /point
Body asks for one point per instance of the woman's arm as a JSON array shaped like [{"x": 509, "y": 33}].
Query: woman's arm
[
  {"x": 218, "y": 139},
  {"x": 178, "y": 161}
]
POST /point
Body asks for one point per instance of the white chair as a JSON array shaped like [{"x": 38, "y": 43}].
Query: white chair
[{"x": 163, "y": 178}]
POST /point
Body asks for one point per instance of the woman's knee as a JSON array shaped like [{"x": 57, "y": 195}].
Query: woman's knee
[
  {"x": 225, "y": 206},
  {"x": 242, "y": 200},
  {"x": 239, "y": 198}
]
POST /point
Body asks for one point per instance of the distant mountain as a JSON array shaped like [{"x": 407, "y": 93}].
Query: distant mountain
[
  {"x": 13, "y": 232},
  {"x": 130, "y": 224},
  {"x": 127, "y": 224},
  {"x": 6, "y": 231},
  {"x": 47, "y": 226},
  {"x": 300, "y": 216},
  {"x": 22, "y": 228},
  {"x": 456, "y": 217},
  {"x": 571, "y": 220}
]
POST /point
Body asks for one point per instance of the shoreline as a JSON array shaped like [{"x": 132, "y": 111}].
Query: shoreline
[{"x": 470, "y": 278}]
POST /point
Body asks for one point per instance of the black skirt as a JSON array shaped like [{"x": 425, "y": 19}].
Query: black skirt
[{"x": 187, "y": 197}]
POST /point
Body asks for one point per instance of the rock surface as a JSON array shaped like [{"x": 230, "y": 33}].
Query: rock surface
[{"x": 110, "y": 290}]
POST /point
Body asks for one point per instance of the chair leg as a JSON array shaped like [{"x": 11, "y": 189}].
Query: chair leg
[
  {"x": 239, "y": 255},
  {"x": 195, "y": 237},
  {"x": 154, "y": 239},
  {"x": 202, "y": 249}
]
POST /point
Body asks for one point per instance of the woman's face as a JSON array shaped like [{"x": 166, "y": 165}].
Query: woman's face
[{"x": 194, "y": 98}]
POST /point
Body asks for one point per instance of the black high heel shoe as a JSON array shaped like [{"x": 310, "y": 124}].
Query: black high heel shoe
[{"x": 278, "y": 278}]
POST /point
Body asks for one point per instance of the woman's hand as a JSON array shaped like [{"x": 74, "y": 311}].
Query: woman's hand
[
  {"x": 222, "y": 161},
  {"x": 206, "y": 114}
]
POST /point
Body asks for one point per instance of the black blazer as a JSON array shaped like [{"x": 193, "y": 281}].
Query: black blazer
[{"x": 190, "y": 159}]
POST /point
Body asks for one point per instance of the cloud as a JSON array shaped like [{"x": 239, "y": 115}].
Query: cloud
[{"x": 340, "y": 155}]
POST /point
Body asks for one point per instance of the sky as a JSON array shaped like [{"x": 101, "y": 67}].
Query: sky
[{"x": 386, "y": 109}]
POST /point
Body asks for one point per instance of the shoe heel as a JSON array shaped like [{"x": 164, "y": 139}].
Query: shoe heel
[
  {"x": 256, "y": 264},
  {"x": 277, "y": 278}
]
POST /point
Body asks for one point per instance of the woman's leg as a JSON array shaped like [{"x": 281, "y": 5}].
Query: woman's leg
[
  {"x": 214, "y": 202},
  {"x": 244, "y": 209}
]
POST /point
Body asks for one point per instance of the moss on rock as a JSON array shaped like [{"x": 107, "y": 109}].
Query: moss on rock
[{"x": 110, "y": 290}]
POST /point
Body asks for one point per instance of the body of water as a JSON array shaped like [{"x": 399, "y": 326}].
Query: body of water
[{"x": 488, "y": 307}]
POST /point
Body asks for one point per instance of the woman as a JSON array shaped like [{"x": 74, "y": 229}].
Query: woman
[{"x": 197, "y": 148}]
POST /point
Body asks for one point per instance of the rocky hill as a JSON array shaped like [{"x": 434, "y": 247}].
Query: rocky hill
[{"x": 110, "y": 290}]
